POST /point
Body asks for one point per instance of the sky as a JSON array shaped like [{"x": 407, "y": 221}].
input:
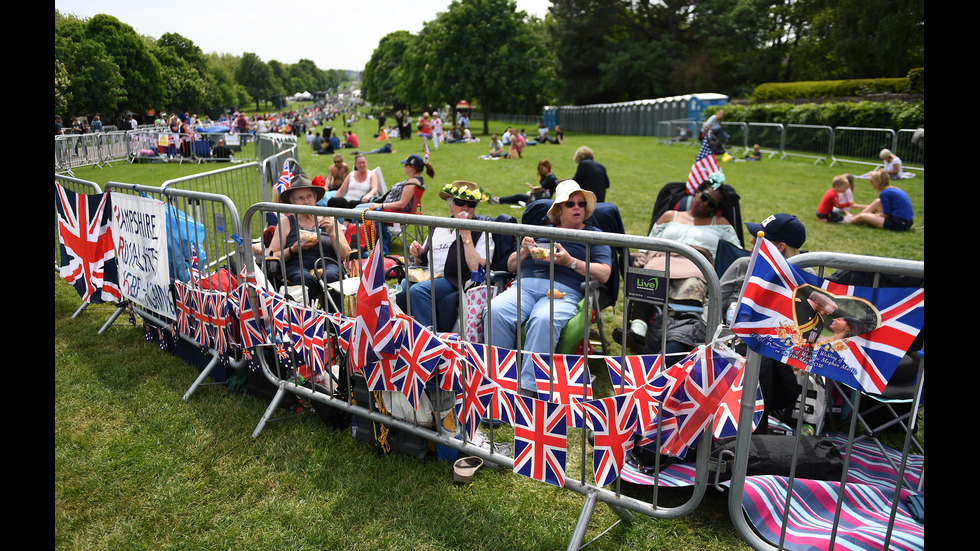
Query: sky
[{"x": 334, "y": 34}]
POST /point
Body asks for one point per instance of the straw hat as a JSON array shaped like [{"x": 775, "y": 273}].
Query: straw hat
[
  {"x": 565, "y": 189},
  {"x": 463, "y": 190},
  {"x": 301, "y": 181}
]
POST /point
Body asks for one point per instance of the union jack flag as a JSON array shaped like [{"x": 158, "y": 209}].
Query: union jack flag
[
  {"x": 185, "y": 314},
  {"x": 374, "y": 333},
  {"x": 379, "y": 375},
  {"x": 88, "y": 259},
  {"x": 571, "y": 384},
  {"x": 766, "y": 320},
  {"x": 195, "y": 268},
  {"x": 637, "y": 371},
  {"x": 199, "y": 307},
  {"x": 420, "y": 354},
  {"x": 280, "y": 317},
  {"x": 219, "y": 321},
  {"x": 704, "y": 165},
  {"x": 648, "y": 399},
  {"x": 539, "y": 439},
  {"x": 478, "y": 393},
  {"x": 726, "y": 418},
  {"x": 451, "y": 366},
  {"x": 613, "y": 422},
  {"x": 284, "y": 179},
  {"x": 696, "y": 400},
  {"x": 251, "y": 326},
  {"x": 342, "y": 326},
  {"x": 500, "y": 364},
  {"x": 313, "y": 343}
]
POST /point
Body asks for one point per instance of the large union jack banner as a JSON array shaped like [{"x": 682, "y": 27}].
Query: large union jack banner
[
  {"x": 854, "y": 335},
  {"x": 88, "y": 259}
]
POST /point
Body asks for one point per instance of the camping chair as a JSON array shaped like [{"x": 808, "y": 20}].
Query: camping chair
[{"x": 607, "y": 218}]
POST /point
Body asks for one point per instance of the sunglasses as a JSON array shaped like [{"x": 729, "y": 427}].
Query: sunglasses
[
  {"x": 464, "y": 203},
  {"x": 711, "y": 202},
  {"x": 579, "y": 204}
]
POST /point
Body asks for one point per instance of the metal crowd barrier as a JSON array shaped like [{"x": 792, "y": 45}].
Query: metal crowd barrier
[
  {"x": 861, "y": 143},
  {"x": 614, "y": 497},
  {"x": 820, "y": 260},
  {"x": 81, "y": 187},
  {"x": 218, "y": 216}
]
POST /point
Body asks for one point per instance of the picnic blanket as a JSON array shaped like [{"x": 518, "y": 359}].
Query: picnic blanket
[{"x": 901, "y": 175}]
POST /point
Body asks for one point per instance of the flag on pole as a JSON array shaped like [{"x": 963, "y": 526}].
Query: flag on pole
[
  {"x": 284, "y": 179},
  {"x": 850, "y": 334},
  {"x": 88, "y": 259},
  {"x": 374, "y": 333},
  {"x": 704, "y": 165}
]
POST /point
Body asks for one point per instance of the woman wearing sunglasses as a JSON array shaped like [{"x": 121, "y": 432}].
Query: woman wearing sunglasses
[
  {"x": 572, "y": 207},
  {"x": 701, "y": 227},
  {"x": 445, "y": 251}
]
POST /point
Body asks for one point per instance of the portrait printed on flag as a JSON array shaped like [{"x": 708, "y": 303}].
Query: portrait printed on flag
[{"x": 821, "y": 317}]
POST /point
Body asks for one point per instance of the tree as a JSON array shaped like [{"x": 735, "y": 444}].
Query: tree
[
  {"x": 87, "y": 79},
  {"x": 184, "y": 66},
  {"x": 256, "y": 77},
  {"x": 381, "y": 73},
  {"x": 139, "y": 69}
]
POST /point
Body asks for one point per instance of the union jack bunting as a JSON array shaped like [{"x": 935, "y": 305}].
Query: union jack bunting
[
  {"x": 251, "y": 327},
  {"x": 195, "y": 267},
  {"x": 539, "y": 439},
  {"x": 778, "y": 316},
  {"x": 704, "y": 165},
  {"x": 634, "y": 372},
  {"x": 500, "y": 364},
  {"x": 726, "y": 418},
  {"x": 697, "y": 398},
  {"x": 313, "y": 343},
  {"x": 613, "y": 423},
  {"x": 478, "y": 393},
  {"x": 648, "y": 399},
  {"x": 374, "y": 333},
  {"x": 185, "y": 315},
  {"x": 451, "y": 366},
  {"x": 88, "y": 259},
  {"x": 379, "y": 375},
  {"x": 342, "y": 326},
  {"x": 219, "y": 322},
  {"x": 571, "y": 381},
  {"x": 198, "y": 305},
  {"x": 280, "y": 317},
  {"x": 284, "y": 179},
  {"x": 420, "y": 354}
]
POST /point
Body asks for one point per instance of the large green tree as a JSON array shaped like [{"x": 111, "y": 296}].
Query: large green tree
[
  {"x": 382, "y": 73},
  {"x": 138, "y": 67},
  {"x": 89, "y": 78},
  {"x": 256, "y": 77},
  {"x": 191, "y": 85}
]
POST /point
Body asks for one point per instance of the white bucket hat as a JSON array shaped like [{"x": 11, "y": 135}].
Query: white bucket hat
[{"x": 565, "y": 189}]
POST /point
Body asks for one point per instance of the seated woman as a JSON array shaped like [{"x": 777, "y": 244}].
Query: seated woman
[
  {"x": 358, "y": 187},
  {"x": 399, "y": 198},
  {"x": 699, "y": 227},
  {"x": 893, "y": 165},
  {"x": 496, "y": 147},
  {"x": 544, "y": 189},
  {"x": 295, "y": 239},
  {"x": 462, "y": 199},
  {"x": 572, "y": 207},
  {"x": 892, "y": 210}
]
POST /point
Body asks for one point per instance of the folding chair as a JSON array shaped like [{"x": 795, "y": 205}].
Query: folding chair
[{"x": 671, "y": 197}]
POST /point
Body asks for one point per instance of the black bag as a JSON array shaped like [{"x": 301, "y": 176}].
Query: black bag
[{"x": 771, "y": 454}]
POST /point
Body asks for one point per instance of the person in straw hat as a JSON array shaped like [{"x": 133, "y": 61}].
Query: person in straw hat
[
  {"x": 571, "y": 209},
  {"x": 298, "y": 242},
  {"x": 445, "y": 247}
]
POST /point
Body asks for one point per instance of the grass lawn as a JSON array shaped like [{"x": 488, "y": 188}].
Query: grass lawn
[{"x": 137, "y": 467}]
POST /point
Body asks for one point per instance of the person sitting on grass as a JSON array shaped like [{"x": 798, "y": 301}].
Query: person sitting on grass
[{"x": 892, "y": 210}]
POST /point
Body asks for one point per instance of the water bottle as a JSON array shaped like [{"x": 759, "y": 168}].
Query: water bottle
[{"x": 730, "y": 315}]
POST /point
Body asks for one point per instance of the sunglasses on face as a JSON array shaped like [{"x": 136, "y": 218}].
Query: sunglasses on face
[
  {"x": 464, "y": 203},
  {"x": 711, "y": 202},
  {"x": 579, "y": 204}
]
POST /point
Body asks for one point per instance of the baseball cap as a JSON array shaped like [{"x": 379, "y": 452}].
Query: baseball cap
[{"x": 785, "y": 228}]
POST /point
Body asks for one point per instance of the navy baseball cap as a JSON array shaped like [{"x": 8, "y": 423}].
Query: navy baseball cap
[
  {"x": 415, "y": 161},
  {"x": 784, "y": 228}
]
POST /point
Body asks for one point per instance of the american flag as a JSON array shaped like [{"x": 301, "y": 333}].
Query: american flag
[
  {"x": 696, "y": 399},
  {"x": 571, "y": 383},
  {"x": 539, "y": 440},
  {"x": 418, "y": 357},
  {"x": 374, "y": 333},
  {"x": 766, "y": 321},
  {"x": 500, "y": 364},
  {"x": 726, "y": 418},
  {"x": 284, "y": 179},
  {"x": 633, "y": 372},
  {"x": 88, "y": 259},
  {"x": 704, "y": 165},
  {"x": 613, "y": 423}
]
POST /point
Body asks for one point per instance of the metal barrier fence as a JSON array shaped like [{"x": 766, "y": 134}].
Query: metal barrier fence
[
  {"x": 326, "y": 394},
  {"x": 782, "y": 504},
  {"x": 93, "y": 149},
  {"x": 81, "y": 187}
]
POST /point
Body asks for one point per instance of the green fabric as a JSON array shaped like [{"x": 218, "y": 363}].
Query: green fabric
[{"x": 572, "y": 334}]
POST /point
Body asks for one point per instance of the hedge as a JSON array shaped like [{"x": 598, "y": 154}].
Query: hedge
[
  {"x": 868, "y": 114},
  {"x": 775, "y": 91}
]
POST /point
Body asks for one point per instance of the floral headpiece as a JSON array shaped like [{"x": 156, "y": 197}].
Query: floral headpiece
[
  {"x": 461, "y": 191},
  {"x": 318, "y": 180},
  {"x": 717, "y": 179}
]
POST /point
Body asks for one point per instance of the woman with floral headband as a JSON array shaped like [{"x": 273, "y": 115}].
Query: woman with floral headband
[
  {"x": 448, "y": 249},
  {"x": 701, "y": 227}
]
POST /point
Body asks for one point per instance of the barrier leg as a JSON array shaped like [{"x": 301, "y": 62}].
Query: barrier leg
[
  {"x": 200, "y": 378},
  {"x": 112, "y": 318},
  {"x": 273, "y": 404},
  {"x": 583, "y": 520}
]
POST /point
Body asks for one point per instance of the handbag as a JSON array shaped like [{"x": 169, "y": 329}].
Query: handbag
[{"x": 475, "y": 298}]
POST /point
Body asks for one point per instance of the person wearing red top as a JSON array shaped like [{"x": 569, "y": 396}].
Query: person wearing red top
[{"x": 830, "y": 201}]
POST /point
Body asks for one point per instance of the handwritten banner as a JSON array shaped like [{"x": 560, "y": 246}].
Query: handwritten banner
[{"x": 139, "y": 228}]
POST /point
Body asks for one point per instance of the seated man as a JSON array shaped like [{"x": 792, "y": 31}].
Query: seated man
[
  {"x": 337, "y": 173},
  {"x": 221, "y": 151}
]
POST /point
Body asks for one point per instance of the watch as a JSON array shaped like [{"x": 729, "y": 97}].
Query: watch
[
  {"x": 467, "y": 242},
  {"x": 573, "y": 264}
]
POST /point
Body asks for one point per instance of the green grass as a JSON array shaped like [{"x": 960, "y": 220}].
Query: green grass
[{"x": 136, "y": 467}]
